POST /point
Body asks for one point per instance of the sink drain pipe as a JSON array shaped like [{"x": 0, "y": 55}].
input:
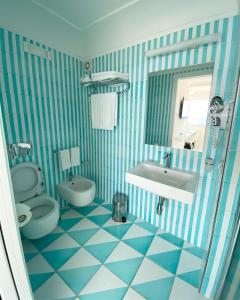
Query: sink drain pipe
[{"x": 161, "y": 201}]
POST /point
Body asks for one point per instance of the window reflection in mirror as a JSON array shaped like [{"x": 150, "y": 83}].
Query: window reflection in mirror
[
  {"x": 177, "y": 107},
  {"x": 191, "y": 111}
]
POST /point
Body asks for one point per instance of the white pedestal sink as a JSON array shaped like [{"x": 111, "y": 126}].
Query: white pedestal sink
[
  {"x": 79, "y": 192},
  {"x": 168, "y": 183}
]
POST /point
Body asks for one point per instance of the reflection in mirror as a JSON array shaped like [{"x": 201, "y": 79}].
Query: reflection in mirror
[
  {"x": 191, "y": 110},
  {"x": 177, "y": 107}
]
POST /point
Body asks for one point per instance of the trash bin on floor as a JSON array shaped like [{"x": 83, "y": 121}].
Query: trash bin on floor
[{"x": 119, "y": 212}]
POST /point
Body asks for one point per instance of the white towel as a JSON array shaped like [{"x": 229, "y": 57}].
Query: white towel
[
  {"x": 75, "y": 156},
  {"x": 96, "y": 109},
  {"x": 64, "y": 159},
  {"x": 109, "y": 110},
  {"x": 109, "y": 75},
  {"x": 104, "y": 110}
]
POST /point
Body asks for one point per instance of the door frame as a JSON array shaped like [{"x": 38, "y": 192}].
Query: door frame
[
  {"x": 9, "y": 225},
  {"x": 8, "y": 288}
]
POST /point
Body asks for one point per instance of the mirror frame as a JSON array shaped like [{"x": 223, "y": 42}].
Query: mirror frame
[{"x": 180, "y": 72}]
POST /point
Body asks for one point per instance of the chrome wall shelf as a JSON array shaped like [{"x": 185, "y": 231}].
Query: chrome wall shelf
[{"x": 106, "y": 79}]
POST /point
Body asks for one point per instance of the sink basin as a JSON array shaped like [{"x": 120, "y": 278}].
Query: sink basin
[
  {"x": 79, "y": 192},
  {"x": 168, "y": 183}
]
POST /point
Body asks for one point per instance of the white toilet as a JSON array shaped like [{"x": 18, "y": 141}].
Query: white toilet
[{"x": 27, "y": 181}]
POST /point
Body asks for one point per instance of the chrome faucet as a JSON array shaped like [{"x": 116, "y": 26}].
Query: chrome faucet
[{"x": 167, "y": 157}]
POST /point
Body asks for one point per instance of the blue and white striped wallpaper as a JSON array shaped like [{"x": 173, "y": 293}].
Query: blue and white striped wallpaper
[
  {"x": 43, "y": 101},
  {"x": 40, "y": 101},
  {"x": 158, "y": 109},
  {"x": 113, "y": 153}
]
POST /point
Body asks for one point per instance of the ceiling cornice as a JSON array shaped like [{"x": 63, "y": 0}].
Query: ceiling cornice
[
  {"x": 56, "y": 14},
  {"x": 113, "y": 12},
  {"x": 165, "y": 32}
]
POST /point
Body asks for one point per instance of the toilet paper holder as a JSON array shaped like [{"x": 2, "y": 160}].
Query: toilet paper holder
[{"x": 21, "y": 149}]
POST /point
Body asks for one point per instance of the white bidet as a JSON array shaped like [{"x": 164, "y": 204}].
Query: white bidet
[{"x": 79, "y": 192}]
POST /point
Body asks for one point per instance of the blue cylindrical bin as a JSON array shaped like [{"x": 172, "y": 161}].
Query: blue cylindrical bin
[{"x": 119, "y": 211}]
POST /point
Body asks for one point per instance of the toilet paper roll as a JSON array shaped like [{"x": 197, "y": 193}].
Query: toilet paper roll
[{"x": 24, "y": 214}]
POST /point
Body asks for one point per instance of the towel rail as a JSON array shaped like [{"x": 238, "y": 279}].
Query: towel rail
[{"x": 125, "y": 90}]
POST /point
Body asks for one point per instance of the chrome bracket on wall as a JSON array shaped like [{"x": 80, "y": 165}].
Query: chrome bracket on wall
[{"x": 125, "y": 90}]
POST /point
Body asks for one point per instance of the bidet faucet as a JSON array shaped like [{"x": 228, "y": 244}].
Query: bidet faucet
[{"x": 167, "y": 157}]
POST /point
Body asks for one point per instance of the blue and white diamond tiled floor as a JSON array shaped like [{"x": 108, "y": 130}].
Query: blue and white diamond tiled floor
[{"x": 89, "y": 256}]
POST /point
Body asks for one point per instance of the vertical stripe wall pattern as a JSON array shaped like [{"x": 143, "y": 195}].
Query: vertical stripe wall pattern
[
  {"x": 158, "y": 109},
  {"x": 114, "y": 152},
  {"x": 42, "y": 102}
]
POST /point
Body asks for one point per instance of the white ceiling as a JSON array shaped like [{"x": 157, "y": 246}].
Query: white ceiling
[
  {"x": 82, "y": 14},
  {"x": 91, "y": 27},
  {"x": 150, "y": 18}
]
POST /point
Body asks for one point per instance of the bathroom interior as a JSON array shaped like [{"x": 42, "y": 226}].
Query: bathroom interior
[{"x": 120, "y": 149}]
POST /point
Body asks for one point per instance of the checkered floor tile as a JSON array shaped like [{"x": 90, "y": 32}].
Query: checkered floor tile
[{"x": 89, "y": 256}]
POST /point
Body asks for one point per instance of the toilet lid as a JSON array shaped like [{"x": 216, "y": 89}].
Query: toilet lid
[{"x": 27, "y": 181}]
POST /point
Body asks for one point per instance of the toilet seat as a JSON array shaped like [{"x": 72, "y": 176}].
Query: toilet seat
[
  {"x": 27, "y": 181},
  {"x": 45, "y": 215},
  {"x": 42, "y": 207}
]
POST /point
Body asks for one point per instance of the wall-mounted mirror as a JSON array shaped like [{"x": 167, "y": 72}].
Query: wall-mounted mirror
[{"x": 177, "y": 107}]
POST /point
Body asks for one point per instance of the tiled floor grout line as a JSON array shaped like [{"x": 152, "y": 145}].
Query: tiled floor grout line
[
  {"x": 119, "y": 239},
  {"x": 103, "y": 264}
]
